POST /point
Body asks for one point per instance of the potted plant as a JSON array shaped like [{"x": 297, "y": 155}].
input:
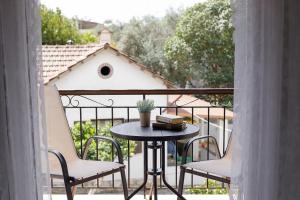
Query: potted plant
[{"x": 145, "y": 107}]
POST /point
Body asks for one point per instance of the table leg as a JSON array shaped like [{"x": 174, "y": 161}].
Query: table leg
[
  {"x": 164, "y": 176},
  {"x": 145, "y": 166},
  {"x": 154, "y": 170},
  {"x": 145, "y": 171}
]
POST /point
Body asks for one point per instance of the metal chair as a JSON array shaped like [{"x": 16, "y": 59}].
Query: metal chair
[
  {"x": 219, "y": 170},
  {"x": 64, "y": 162}
]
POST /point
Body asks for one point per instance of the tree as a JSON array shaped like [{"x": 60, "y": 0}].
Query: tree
[
  {"x": 202, "y": 47},
  {"x": 131, "y": 41},
  {"x": 58, "y": 29},
  {"x": 104, "y": 148},
  {"x": 144, "y": 39}
]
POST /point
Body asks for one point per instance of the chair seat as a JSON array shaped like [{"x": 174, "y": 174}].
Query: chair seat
[
  {"x": 86, "y": 168},
  {"x": 220, "y": 167}
]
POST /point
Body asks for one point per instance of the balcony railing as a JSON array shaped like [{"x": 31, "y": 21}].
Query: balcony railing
[{"x": 102, "y": 107}]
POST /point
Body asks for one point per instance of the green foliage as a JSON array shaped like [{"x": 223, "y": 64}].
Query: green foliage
[
  {"x": 202, "y": 47},
  {"x": 145, "y": 105},
  {"x": 144, "y": 39},
  {"x": 88, "y": 37},
  {"x": 193, "y": 48},
  {"x": 58, "y": 29},
  {"x": 218, "y": 100},
  {"x": 213, "y": 188},
  {"x": 104, "y": 148}
]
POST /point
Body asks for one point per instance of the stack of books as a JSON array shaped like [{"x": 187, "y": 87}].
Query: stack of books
[{"x": 169, "y": 122}]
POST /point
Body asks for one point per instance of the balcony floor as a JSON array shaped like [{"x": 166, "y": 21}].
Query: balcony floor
[{"x": 140, "y": 197}]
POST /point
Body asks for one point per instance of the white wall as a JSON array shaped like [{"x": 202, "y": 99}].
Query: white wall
[{"x": 125, "y": 75}]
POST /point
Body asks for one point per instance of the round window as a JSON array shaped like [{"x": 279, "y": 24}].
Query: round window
[{"x": 105, "y": 70}]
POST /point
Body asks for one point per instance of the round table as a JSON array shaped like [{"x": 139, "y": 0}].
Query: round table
[{"x": 134, "y": 131}]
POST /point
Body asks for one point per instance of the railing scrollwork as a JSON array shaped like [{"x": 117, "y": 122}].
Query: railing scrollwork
[{"x": 74, "y": 101}]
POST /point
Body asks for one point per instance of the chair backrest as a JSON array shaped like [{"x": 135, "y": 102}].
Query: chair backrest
[{"x": 58, "y": 131}]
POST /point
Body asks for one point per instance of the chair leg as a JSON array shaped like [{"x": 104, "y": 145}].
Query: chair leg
[
  {"x": 69, "y": 191},
  {"x": 124, "y": 182},
  {"x": 181, "y": 181}
]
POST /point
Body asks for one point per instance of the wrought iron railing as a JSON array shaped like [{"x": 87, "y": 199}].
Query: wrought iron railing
[{"x": 95, "y": 105}]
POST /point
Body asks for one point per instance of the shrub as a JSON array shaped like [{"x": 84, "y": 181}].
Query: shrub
[
  {"x": 213, "y": 188},
  {"x": 104, "y": 148}
]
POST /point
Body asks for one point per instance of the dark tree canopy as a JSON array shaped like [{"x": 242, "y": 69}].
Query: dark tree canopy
[
  {"x": 202, "y": 48},
  {"x": 192, "y": 48}
]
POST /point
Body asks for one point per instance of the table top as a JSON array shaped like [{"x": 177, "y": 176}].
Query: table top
[{"x": 134, "y": 131}]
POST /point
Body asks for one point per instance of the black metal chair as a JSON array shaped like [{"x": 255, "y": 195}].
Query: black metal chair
[
  {"x": 64, "y": 162},
  {"x": 219, "y": 170}
]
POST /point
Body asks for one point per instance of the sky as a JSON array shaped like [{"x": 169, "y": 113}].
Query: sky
[{"x": 116, "y": 10}]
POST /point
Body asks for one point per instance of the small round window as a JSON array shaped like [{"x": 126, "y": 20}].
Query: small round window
[{"x": 105, "y": 70}]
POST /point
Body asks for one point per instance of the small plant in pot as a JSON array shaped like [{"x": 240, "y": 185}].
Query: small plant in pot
[{"x": 145, "y": 107}]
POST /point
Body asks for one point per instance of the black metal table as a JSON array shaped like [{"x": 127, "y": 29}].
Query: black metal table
[{"x": 133, "y": 131}]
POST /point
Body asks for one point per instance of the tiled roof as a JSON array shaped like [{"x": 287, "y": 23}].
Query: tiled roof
[
  {"x": 58, "y": 59},
  {"x": 191, "y": 101}
]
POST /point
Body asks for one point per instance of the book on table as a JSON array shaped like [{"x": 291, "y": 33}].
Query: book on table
[
  {"x": 171, "y": 119},
  {"x": 168, "y": 126}
]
